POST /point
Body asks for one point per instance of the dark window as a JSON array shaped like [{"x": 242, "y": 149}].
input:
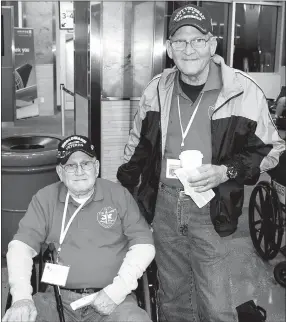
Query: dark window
[
  {"x": 220, "y": 16},
  {"x": 255, "y": 37}
]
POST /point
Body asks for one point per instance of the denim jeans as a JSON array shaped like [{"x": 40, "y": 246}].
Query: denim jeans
[
  {"x": 127, "y": 311},
  {"x": 193, "y": 262}
]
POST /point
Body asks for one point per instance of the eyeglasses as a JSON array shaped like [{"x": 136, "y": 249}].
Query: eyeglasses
[
  {"x": 72, "y": 167},
  {"x": 197, "y": 43}
]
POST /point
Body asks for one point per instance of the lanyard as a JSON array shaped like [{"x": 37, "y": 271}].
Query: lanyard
[
  {"x": 65, "y": 230},
  {"x": 184, "y": 134}
]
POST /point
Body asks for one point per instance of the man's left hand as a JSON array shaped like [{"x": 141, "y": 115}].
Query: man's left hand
[
  {"x": 103, "y": 304},
  {"x": 210, "y": 176}
]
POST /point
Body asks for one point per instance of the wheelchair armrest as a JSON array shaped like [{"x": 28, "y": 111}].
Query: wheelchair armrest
[{"x": 146, "y": 291}]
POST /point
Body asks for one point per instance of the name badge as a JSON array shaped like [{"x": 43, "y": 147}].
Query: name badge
[
  {"x": 172, "y": 165},
  {"x": 55, "y": 274}
]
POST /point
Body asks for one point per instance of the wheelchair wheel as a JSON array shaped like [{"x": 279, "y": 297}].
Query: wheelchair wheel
[
  {"x": 265, "y": 220},
  {"x": 146, "y": 292},
  {"x": 146, "y": 296},
  {"x": 153, "y": 288},
  {"x": 280, "y": 273}
]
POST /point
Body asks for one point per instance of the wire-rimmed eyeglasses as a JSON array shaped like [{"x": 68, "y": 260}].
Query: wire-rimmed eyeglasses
[
  {"x": 73, "y": 167},
  {"x": 181, "y": 44}
]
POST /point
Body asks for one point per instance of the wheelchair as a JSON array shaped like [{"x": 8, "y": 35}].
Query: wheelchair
[
  {"x": 267, "y": 218},
  {"x": 146, "y": 292}
]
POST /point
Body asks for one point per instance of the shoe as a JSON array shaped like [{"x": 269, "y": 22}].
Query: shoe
[{"x": 250, "y": 312}]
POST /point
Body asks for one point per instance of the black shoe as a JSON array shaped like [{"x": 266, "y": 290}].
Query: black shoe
[{"x": 249, "y": 312}]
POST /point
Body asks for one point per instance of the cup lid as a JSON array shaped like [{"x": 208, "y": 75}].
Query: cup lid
[{"x": 191, "y": 153}]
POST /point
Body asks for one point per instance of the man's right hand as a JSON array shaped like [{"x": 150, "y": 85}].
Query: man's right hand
[{"x": 21, "y": 311}]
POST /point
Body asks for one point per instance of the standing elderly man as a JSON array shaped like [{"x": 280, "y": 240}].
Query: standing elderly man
[
  {"x": 200, "y": 104},
  {"x": 103, "y": 244}
]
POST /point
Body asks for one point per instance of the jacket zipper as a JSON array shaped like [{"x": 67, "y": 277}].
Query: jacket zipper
[
  {"x": 225, "y": 103},
  {"x": 220, "y": 108}
]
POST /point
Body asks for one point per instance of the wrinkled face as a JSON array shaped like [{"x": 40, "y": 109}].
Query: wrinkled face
[
  {"x": 190, "y": 61},
  {"x": 80, "y": 182}
]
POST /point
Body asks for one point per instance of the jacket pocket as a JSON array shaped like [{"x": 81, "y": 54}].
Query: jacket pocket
[{"x": 222, "y": 215}]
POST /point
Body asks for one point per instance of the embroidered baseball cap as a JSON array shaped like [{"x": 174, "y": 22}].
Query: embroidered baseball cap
[
  {"x": 190, "y": 15},
  {"x": 73, "y": 144}
]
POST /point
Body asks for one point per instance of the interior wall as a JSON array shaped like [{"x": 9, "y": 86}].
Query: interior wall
[
  {"x": 269, "y": 82},
  {"x": 283, "y": 74},
  {"x": 116, "y": 121}
]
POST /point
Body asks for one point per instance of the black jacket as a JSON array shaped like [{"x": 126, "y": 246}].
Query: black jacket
[{"x": 243, "y": 135}]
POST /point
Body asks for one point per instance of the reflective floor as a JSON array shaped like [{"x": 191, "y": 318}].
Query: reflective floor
[{"x": 253, "y": 278}]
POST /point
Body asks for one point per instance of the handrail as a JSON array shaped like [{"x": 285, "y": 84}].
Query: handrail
[
  {"x": 68, "y": 91},
  {"x": 13, "y": 210},
  {"x": 118, "y": 98},
  {"x": 26, "y": 170}
]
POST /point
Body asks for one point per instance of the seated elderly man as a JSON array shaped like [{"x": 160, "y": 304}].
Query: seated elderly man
[{"x": 103, "y": 244}]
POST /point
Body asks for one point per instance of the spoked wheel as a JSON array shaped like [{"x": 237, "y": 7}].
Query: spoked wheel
[
  {"x": 265, "y": 220},
  {"x": 280, "y": 273}
]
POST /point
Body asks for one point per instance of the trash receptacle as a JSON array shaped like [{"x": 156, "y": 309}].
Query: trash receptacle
[{"x": 28, "y": 164}]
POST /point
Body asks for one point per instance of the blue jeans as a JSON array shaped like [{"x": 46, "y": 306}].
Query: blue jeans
[
  {"x": 193, "y": 262},
  {"x": 127, "y": 311}
]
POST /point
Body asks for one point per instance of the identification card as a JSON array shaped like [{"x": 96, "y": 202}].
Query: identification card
[
  {"x": 55, "y": 274},
  {"x": 172, "y": 165}
]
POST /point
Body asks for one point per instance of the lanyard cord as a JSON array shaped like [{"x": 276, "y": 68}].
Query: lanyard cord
[
  {"x": 65, "y": 230},
  {"x": 184, "y": 134}
]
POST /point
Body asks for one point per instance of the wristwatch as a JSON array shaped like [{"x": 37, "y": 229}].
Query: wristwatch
[{"x": 231, "y": 171}]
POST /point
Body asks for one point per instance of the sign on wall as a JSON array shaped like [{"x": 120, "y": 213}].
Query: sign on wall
[
  {"x": 66, "y": 14},
  {"x": 25, "y": 74}
]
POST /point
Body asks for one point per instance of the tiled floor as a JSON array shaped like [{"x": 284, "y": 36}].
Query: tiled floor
[{"x": 253, "y": 278}]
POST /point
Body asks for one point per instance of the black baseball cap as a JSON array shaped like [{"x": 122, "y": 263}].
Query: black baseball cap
[
  {"x": 190, "y": 15},
  {"x": 73, "y": 144}
]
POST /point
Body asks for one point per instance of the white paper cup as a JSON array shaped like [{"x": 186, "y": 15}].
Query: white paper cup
[{"x": 191, "y": 159}]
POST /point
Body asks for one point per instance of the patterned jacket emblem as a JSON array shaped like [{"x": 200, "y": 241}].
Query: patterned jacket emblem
[{"x": 107, "y": 216}]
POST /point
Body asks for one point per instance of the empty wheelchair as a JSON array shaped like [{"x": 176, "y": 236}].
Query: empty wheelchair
[{"x": 267, "y": 218}]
